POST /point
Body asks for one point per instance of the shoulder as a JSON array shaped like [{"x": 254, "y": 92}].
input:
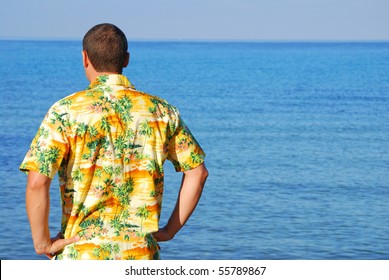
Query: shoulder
[
  {"x": 72, "y": 98},
  {"x": 62, "y": 107},
  {"x": 157, "y": 104}
]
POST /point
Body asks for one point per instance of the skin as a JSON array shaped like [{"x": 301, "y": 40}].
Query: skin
[
  {"x": 38, "y": 197},
  {"x": 192, "y": 185}
]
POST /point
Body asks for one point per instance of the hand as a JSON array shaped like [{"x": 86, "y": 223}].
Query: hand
[
  {"x": 163, "y": 235},
  {"x": 57, "y": 243}
]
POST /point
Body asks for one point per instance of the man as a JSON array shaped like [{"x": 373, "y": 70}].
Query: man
[{"x": 108, "y": 144}]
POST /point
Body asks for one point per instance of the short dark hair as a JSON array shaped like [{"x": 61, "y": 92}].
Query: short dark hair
[{"x": 106, "y": 46}]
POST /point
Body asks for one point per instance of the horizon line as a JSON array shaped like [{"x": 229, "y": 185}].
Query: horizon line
[{"x": 177, "y": 40}]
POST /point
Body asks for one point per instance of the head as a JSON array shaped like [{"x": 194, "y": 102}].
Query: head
[{"x": 105, "y": 49}]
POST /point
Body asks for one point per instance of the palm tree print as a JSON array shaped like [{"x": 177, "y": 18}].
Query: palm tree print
[
  {"x": 77, "y": 175},
  {"x": 143, "y": 214},
  {"x": 123, "y": 191},
  {"x": 145, "y": 129},
  {"x": 46, "y": 158},
  {"x": 92, "y": 131},
  {"x": 73, "y": 253},
  {"x": 81, "y": 129},
  {"x": 150, "y": 241},
  {"x": 154, "y": 168},
  {"x": 65, "y": 102},
  {"x": 105, "y": 124},
  {"x": 123, "y": 107},
  {"x": 106, "y": 251},
  {"x": 196, "y": 158},
  {"x": 120, "y": 144}
]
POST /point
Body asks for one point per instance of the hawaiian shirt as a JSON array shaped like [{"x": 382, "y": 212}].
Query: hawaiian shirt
[{"x": 108, "y": 144}]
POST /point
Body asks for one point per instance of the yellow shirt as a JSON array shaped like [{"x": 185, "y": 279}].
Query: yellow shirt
[{"x": 108, "y": 145}]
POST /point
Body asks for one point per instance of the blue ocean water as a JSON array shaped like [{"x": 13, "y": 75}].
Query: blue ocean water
[{"x": 296, "y": 135}]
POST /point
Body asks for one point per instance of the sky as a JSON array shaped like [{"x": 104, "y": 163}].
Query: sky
[{"x": 226, "y": 20}]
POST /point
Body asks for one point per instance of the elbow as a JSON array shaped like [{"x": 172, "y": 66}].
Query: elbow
[
  {"x": 199, "y": 174},
  {"x": 204, "y": 174},
  {"x": 40, "y": 251}
]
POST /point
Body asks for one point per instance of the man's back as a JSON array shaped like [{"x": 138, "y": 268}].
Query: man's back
[{"x": 111, "y": 142}]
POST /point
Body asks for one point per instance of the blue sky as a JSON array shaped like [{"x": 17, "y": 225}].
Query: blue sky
[{"x": 262, "y": 20}]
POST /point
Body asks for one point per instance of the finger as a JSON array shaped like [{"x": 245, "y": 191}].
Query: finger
[
  {"x": 74, "y": 239},
  {"x": 61, "y": 243}
]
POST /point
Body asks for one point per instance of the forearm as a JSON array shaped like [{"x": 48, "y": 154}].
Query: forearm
[
  {"x": 191, "y": 189},
  {"x": 38, "y": 206}
]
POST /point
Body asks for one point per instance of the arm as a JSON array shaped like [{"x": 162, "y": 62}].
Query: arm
[
  {"x": 191, "y": 189},
  {"x": 38, "y": 208}
]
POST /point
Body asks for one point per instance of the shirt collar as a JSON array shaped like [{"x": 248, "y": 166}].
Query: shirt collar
[{"x": 111, "y": 80}]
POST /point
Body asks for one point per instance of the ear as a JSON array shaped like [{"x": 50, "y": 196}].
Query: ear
[
  {"x": 85, "y": 59},
  {"x": 126, "y": 60}
]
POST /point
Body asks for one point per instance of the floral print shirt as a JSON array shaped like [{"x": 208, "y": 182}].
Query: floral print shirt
[{"x": 108, "y": 144}]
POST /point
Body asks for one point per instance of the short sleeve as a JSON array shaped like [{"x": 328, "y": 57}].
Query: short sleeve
[
  {"x": 184, "y": 151},
  {"x": 49, "y": 145}
]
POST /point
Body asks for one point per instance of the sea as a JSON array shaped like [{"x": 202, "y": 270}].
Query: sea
[{"x": 296, "y": 136}]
